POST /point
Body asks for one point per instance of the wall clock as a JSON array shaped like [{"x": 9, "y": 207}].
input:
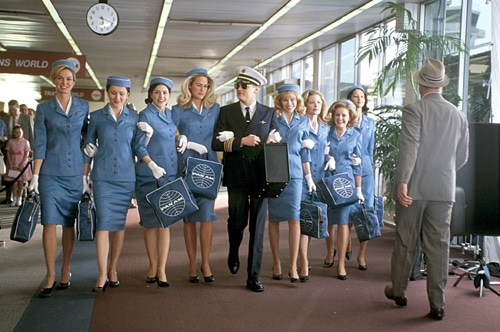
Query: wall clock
[{"x": 102, "y": 18}]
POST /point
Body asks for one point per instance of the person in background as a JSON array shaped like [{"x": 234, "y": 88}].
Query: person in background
[
  {"x": 112, "y": 135},
  {"x": 32, "y": 113},
  {"x": 313, "y": 165},
  {"x": 366, "y": 127},
  {"x": 18, "y": 150},
  {"x": 59, "y": 173},
  {"x": 195, "y": 115},
  {"x": 433, "y": 146},
  {"x": 159, "y": 161},
  {"x": 292, "y": 126},
  {"x": 23, "y": 108},
  {"x": 344, "y": 142},
  {"x": 241, "y": 132}
]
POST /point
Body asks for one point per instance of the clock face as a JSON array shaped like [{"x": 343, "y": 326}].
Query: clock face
[{"x": 102, "y": 19}]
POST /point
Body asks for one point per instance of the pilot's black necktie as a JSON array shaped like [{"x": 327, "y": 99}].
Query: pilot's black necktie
[{"x": 247, "y": 114}]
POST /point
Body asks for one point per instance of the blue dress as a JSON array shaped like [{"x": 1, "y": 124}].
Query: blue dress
[
  {"x": 287, "y": 205},
  {"x": 113, "y": 175},
  {"x": 342, "y": 149},
  {"x": 58, "y": 137},
  {"x": 162, "y": 150},
  {"x": 315, "y": 156},
  {"x": 367, "y": 131},
  {"x": 199, "y": 128}
]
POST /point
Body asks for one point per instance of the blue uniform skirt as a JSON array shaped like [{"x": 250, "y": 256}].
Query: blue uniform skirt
[
  {"x": 287, "y": 205},
  {"x": 339, "y": 216},
  {"x": 143, "y": 186},
  {"x": 205, "y": 210},
  {"x": 59, "y": 197},
  {"x": 112, "y": 201}
]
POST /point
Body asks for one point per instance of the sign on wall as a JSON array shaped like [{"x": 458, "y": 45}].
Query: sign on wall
[
  {"x": 38, "y": 63},
  {"x": 92, "y": 95}
]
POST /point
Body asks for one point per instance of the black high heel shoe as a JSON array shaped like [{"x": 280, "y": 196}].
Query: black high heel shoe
[
  {"x": 114, "y": 284},
  {"x": 194, "y": 279},
  {"x": 162, "y": 284},
  {"x": 151, "y": 280},
  {"x": 210, "y": 278},
  {"x": 64, "y": 285},
  {"x": 46, "y": 292},
  {"x": 293, "y": 280},
  {"x": 100, "y": 289},
  {"x": 303, "y": 278}
]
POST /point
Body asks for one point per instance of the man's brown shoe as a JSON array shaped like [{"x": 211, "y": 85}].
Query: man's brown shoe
[
  {"x": 436, "y": 313},
  {"x": 400, "y": 300}
]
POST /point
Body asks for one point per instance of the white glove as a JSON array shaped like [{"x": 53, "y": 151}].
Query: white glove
[
  {"x": 330, "y": 164},
  {"x": 34, "y": 183},
  {"x": 274, "y": 136},
  {"x": 307, "y": 144},
  {"x": 225, "y": 135},
  {"x": 145, "y": 127},
  {"x": 182, "y": 143},
  {"x": 310, "y": 183},
  {"x": 86, "y": 188},
  {"x": 355, "y": 160},
  {"x": 90, "y": 150},
  {"x": 359, "y": 193},
  {"x": 158, "y": 172},
  {"x": 201, "y": 149}
]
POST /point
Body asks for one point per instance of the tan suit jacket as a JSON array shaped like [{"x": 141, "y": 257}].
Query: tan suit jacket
[{"x": 434, "y": 144}]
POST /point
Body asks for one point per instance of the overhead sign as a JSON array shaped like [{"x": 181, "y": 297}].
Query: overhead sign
[
  {"x": 38, "y": 63},
  {"x": 92, "y": 95}
]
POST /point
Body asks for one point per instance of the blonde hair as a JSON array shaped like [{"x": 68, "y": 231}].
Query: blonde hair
[
  {"x": 323, "y": 116},
  {"x": 57, "y": 69},
  {"x": 185, "y": 97},
  {"x": 353, "y": 115},
  {"x": 300, "y": 108}
]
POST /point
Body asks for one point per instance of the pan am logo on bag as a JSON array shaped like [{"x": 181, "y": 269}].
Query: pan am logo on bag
[
  {"x": 343, "y": 187},
  {"x": 203, "y": 176},
  {"x": 172, "y": 203},
  {"x": 306, "y": 220}
]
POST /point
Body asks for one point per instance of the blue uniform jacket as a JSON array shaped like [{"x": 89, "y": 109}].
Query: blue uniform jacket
[
  {"x": 316, "y": 156},
  {"x": 343, "y": 148},
  {"x": 198, "y": 128},
  {"x": 58, "y": 137},
  {"x": 367, "y": 130},
  {"x": 293, "y": 134},
  {"x": 118, "y": 142},
  {"x": 162, "y": 146}
]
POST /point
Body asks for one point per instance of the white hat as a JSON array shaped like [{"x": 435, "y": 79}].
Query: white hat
[{"x": 250, "y": 76}]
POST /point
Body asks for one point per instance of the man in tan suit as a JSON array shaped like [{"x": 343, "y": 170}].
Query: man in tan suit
[{"x": 434, "y": 144}]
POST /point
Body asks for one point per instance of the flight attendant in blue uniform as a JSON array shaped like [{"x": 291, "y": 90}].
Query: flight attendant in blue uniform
[
  {"x": 114, "y": 129},
  {"x": 313, "y": 164},
  {"x": 159, "y": 161},
  {"x": 195, "y": 114},
  {"x": 58, "y": 171},
  {"x": 241, "y": 131},
  {"x": 344, "y": 142},
  {"x": 366, "y": 127},
  {"x": 292, "y": 126}
]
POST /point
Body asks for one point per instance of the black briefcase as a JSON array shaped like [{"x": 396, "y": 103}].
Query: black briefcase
[
  {"x": 24, "y": 223},
  {"x": 274, "y": 172}
]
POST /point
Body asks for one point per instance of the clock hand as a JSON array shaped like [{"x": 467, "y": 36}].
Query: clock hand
[{"x": 106, "y": 22}]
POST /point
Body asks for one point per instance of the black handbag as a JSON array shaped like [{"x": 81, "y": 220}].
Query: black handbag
[
  {"x": 274, "y": 172},
  {"x": 86, "y": 219},
  {"x": 203, "y": 177},
  {"x": 337, "y": 190},
  {"x": 313, "y": 218},
  {"x": 365, "y": 222},
  {"x": 26, "y": 218},
  {"x": 171, "y": 202}
]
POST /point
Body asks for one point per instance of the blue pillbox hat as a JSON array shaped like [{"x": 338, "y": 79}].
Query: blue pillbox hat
[
  {"x": 162, "y": 80},
  {"x": 118, "y": 81},
  {"x": 197, "y": 71},
  {"x": 63, "y": 62},
  {"x": 350, "y": 103},
  {"x": 354, "y": 87},
  {"x": 288, "y": 87}
]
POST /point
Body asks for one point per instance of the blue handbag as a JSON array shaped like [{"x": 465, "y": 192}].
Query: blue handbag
[
  {"x": 24, "y": 223},
  {"x": 313, "y": 218},
  {"x": 171, "y": 202},
  {"x": 379, "y": 209},
  {"x": 203, "y": 177},
  {"x": 86, "y": 219},
  {"x": 337, "y": 190},
  {"x": 365, "y": 222}
]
